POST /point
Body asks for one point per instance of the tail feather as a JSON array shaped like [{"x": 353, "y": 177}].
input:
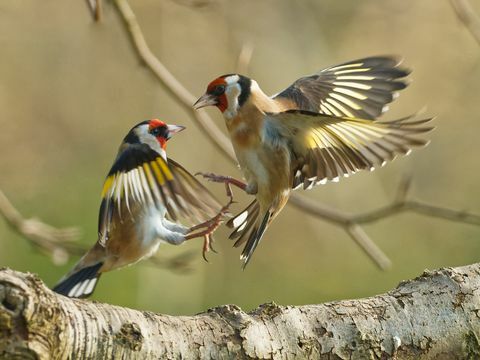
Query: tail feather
[
  {"x": 244, "y": 223},
  {"x": 254, "y": 239},
  {"x": 249, "y": 229},
  {"x": 81, "y": 283}
]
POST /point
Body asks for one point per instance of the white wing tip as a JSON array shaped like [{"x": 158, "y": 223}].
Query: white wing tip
[
  {"x": 298, "y": 186},
  {"x": 240, "y": 219}
]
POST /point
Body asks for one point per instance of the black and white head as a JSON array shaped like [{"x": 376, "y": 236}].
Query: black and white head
[
  {"x": 155, "y": 133},
  {"x": 228, "y": 93}
]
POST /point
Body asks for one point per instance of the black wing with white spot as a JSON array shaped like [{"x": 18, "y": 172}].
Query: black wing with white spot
[{"x": 356, "y": 89}]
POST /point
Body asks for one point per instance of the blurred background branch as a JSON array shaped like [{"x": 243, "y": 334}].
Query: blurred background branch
[
  {"x": 244, "y": 58},
  {"x": 49, "y": 240},
  {"x": 95, "y": 7},
  {"x": 350, "y": 223},
  {"x": 467, "y": 15}
]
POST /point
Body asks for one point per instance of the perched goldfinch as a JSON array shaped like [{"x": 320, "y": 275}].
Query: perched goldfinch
[
  {"x": 141, "y": 189},
  {"x": 317, "y": 130}
]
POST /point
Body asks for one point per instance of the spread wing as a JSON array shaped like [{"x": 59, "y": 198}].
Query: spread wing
[
  {"x": 356, "y": 89},
  {"x": 326, "y": 147},
  {"x": 141, "y": 177}
]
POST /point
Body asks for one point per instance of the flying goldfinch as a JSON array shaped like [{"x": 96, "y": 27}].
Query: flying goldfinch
[
  {"x": 142, "y": 196},
  {"x": 318, "y": 129}
]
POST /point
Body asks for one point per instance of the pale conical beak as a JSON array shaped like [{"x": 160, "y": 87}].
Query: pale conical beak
[
  {"x": 173, "y": 129},
  {"x": 205, "y": 100}
]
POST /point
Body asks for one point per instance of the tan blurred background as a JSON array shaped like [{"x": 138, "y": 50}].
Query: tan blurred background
[{"x": 70, "y": 89}]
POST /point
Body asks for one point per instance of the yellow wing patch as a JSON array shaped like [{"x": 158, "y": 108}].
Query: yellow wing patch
[
  {"x": 157, "y": 172},
  {"x": 107, "y": 185},
  {"x": 165, "y": 169}
]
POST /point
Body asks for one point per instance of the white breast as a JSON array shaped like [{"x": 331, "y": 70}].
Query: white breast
[
  {"x": 255, "y": 166},
  {"x": 148, "y": 229},
  {"x": 155, "y": 228}
]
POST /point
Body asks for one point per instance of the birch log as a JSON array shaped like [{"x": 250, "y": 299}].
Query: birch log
[{"x": 435, "y": 316}]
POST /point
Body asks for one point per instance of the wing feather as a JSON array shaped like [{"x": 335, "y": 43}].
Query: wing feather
[
  {"x": 357, "y": 89},
  {"x": 327, "y": 147},
  {"x": 141, "y": 177}
]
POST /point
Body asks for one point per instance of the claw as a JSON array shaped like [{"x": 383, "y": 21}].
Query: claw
[
  {"x": 229, "y": 191},
  {"x": 210, "y": 244},
  {"x": 206, "y": 247},
  {"x": 207, "y": 228}
]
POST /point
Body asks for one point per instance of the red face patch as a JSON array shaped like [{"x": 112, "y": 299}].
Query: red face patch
[
  {"x": 213, "y": 89},
  {"x": 218, "y": 81},
  {"x": 158, "y": 128},
  {"x": 155, "y": 123}
]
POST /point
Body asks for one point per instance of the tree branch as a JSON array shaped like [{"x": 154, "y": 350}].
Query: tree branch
[
  {"x": 350, "y": 223},
  {"x": 435, "y": 315}
]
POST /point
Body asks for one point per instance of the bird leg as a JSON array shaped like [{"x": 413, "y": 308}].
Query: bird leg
[
  {"x": 228, "y": 180},
  {"x": 223, "y": 179}
]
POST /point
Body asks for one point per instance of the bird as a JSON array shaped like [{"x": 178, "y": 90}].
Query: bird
[
  {"x": 144, "y": 193},
  {"x": 318, "y": 129}
]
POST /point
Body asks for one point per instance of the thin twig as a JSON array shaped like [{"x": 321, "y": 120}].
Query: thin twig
[
  {"x": 420, "y": 208},
  {"x": 244, "y": 58},
  {"x": 363, "y": 240},
  {"x": 95, "y": 7},
  {"x": 467, "y": 15},
  {"x": 194, "y": 3},
  {"x": 350, "y": 223}
]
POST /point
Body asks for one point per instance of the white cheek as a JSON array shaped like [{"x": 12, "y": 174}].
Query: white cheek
[
  {"x": 146, "y": 138},
  {"x": 232, "y": 93}
]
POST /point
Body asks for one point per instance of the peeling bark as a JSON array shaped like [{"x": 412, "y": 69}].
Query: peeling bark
[{"x": 435, "y": 316}]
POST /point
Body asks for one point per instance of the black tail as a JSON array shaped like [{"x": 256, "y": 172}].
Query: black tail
[
  {"x": 243, "y": 223},
  {"x": 80, "y": 284},
  {"x": 254, "y": 239},
  {"x": 247, "y": 228}
]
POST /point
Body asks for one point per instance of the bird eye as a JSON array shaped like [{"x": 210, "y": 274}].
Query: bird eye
[
  {"x": 219, "y": 90},
  {"x": 156, "y": 131}
]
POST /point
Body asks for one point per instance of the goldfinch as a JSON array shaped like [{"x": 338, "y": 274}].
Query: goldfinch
[
  {"x": 142, "y": 196},
  {"x": 318, "y": 129}
]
